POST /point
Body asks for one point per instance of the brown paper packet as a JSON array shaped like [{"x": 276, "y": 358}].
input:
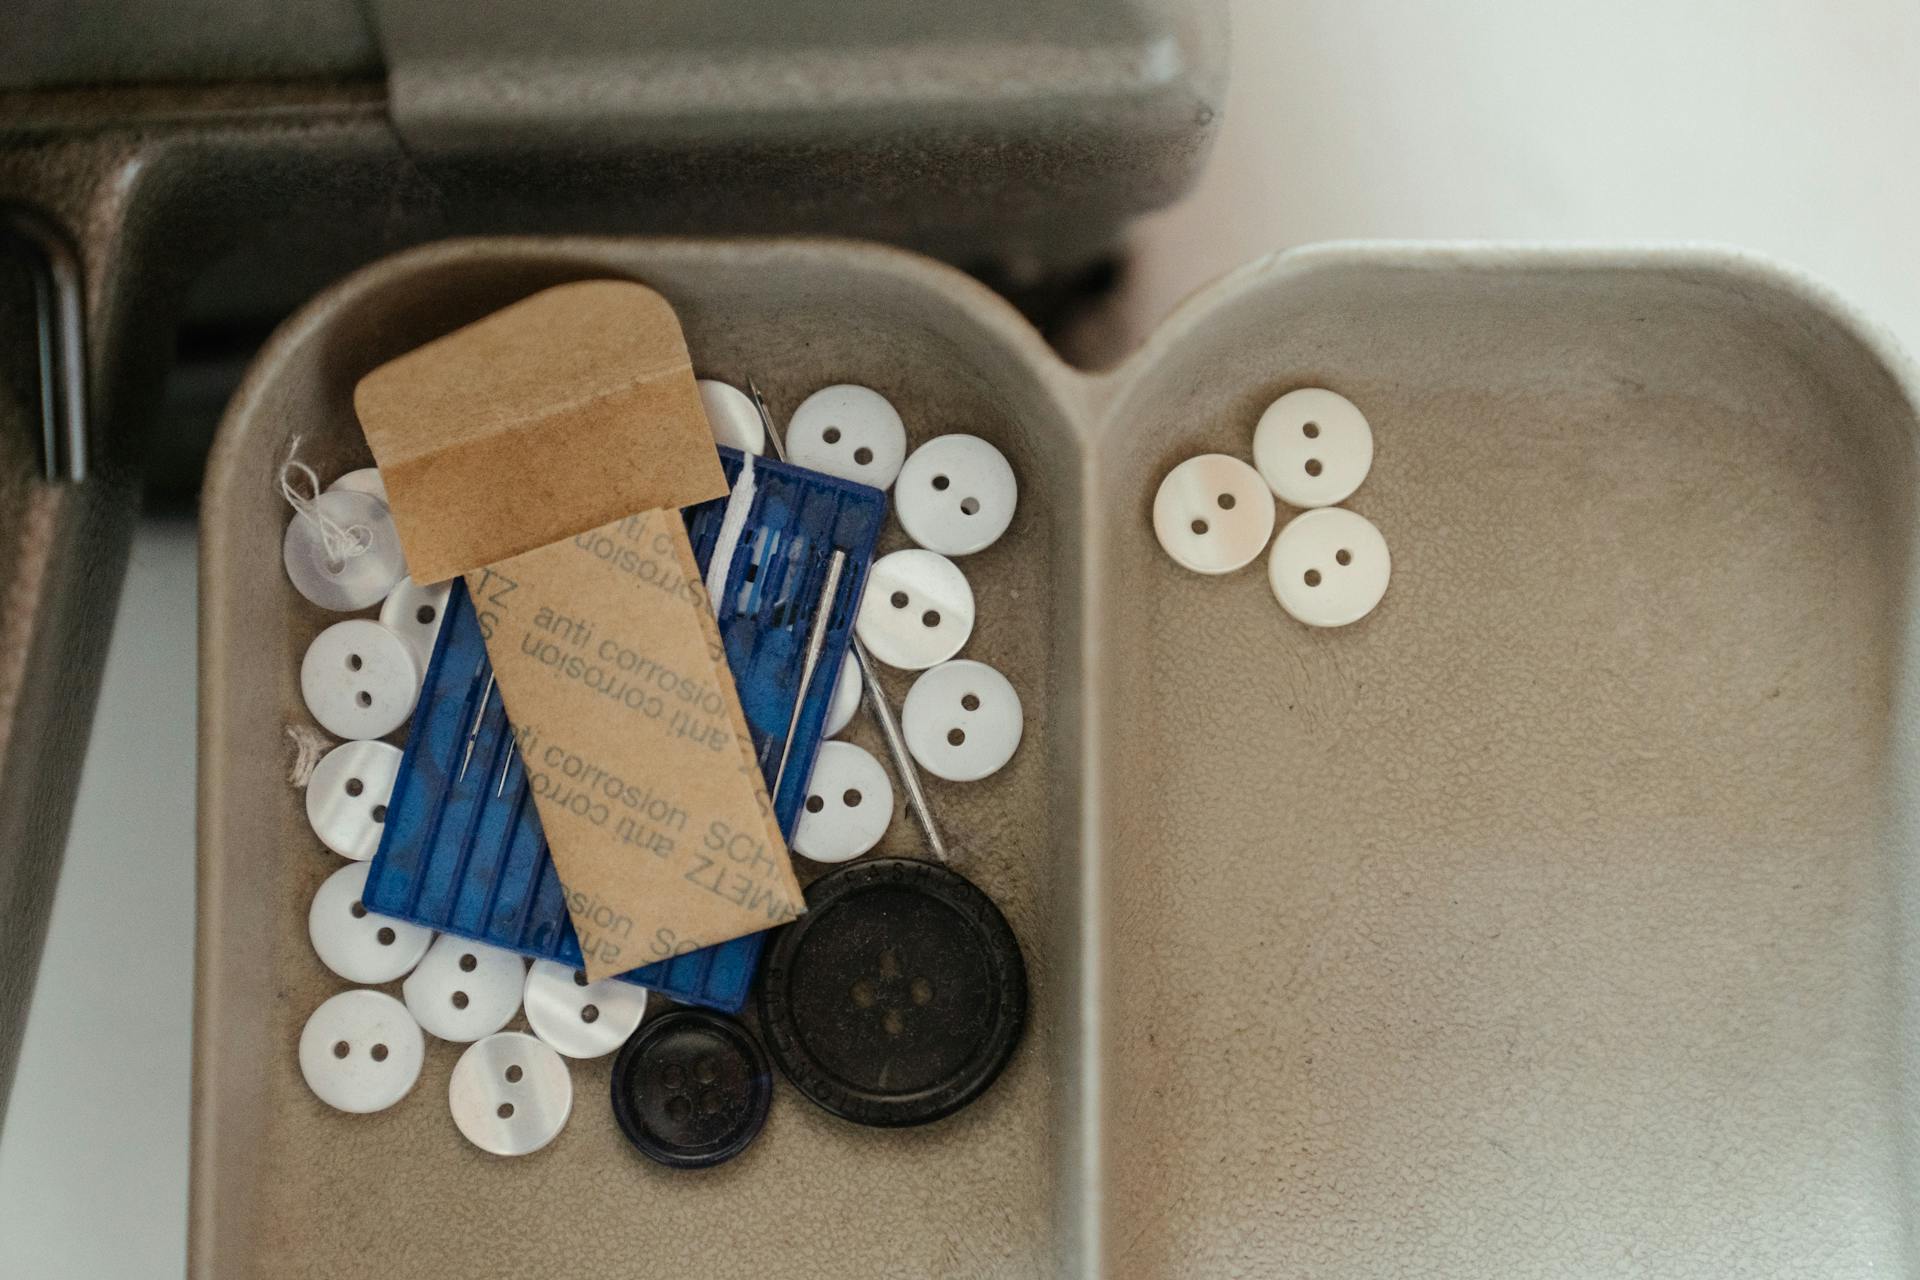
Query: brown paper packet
[{"x": 517, "y": 451}]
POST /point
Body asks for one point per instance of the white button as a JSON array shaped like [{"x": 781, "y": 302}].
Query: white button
[
  {"x": 464, "y": 990},
  {"x": 849, "y": 804},
  {"x": 1329, "y": 567},
  {"x": 510, "y": 1094},
  {"x": 414, "y": 613},
  {"x": 732, "y": 416},
  {"x": 1213, "y": 514},
  {"x": 917, "y": 611},
  {"x": 347, "y": 797},
  {"x": 360, "y": 1051},
  {"x": 955, "y": 495},
  {"x": 359, "y": 679},
  {"x": 351, "y": 582},
  {"x": 1314, "y": 447},
  {"x": 356, "y": 943},
  {"x": 365, "y": 480},
  {"x": 962, "y": 720},
  {"x": 579, "y": 1018},
  {"x": 846, "y": 697},
  {"x": 850, "y": 432}
]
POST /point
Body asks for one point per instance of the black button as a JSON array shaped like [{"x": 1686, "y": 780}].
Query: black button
[
  {"x": 691, "y": 1089},
  {"x": 898, "y": 997}
]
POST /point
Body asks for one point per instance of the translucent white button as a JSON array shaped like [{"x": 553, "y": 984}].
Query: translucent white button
[
  {"x": 1213, "y": 514},
  {"x": 352, "y": 581},
  {"x": 414, "y": 613},
  {"x": 463, "y": 990},
  {"x": 365, "y": 480},
  {"x": 850, "y": 432},
  {"x": 361, "y": 1051},
  {"x": 356, "y": 943},
  {"x": 1329, "y": 567},
  {"x": 1313, "y": 447},
  {"x": 510, "y": 1094},
  {"x": 846, "y": 696},
  {"x": 917, "y": 611},
  {"x": 955, "y": 495},
  {"x": 347, "y": 797},
  {"x": 359, "y": 679},
  {"x": 579, "y": 1018},
  {"x": 849, "y": 804},
  {"x": 732, "y": 416},
  {"x": 962, "y": 720}
]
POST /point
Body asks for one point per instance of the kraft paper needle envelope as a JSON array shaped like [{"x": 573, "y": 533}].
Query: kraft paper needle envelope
[{"x": 543, "y": 452}]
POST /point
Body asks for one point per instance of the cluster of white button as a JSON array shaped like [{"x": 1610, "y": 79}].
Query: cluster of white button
[
  {"x": 954, "y": 496},
  {"x": 362, "y": 1050},
  {"x": 1313, "y": 448}
]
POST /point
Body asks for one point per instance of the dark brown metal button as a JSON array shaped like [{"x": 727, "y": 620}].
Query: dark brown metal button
[{"x": 898, "y": 997}]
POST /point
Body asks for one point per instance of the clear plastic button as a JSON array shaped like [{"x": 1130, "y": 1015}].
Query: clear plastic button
[
  {"x": 347, "y": 582},
  {"x": 848, "y": 431},
  {"x": 347, "y": 797},
  {"x": 955, "y": 495},
  {"x": 359, "y": 679},
  {"x": 917, "y": 610},
  {"x": 364, "y": 480},
  {"x": 1213, "y": 514}
]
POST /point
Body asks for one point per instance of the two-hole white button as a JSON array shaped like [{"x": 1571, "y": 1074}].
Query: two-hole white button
[
  {"x": 347, "y": 797},
  {"x": 364, "y": 480},
  {"x": 365, "y": 561},
  {"x": 955, "y": 495},
  {"x": 848, "y": 431},
  {"x": 415, "y": 614},
  {"x": 962, "y": 720},
  {"x": 848, "y": 806},
  {"x": 359, "y": 679},
  {"x": 732, "y": 416},
  {"x": 510, "y": 1094},
  {"x": 463, "y": 990},
  {"x": 1213, "y": 514},
  {"x": 1329, "y": 567},
  {"x": 846, "y": 697},
  {"x": 579, "y": 1018},
  {"x": 361, "y": 1051},
  {"x": 358, "y": 944},
  {"x": 1314, "y": 447},
  {"x": 917, "y": 611}
]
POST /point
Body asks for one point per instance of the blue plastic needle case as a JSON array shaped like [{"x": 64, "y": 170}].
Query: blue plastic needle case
[{"x": 463, "y": 850}]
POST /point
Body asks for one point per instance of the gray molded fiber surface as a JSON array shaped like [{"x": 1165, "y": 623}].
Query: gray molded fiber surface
[{"x": 1548, "y": 921}]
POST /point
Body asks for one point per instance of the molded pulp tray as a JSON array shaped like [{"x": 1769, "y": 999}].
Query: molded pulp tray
[{"x": 1551, "y": 920}]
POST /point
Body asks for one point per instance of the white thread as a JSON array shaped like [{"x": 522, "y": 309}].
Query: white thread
[
  {"x": 733, "y": 522},
  {"x": 341, "y": 542},
  {"x": 309, "y": 744}
]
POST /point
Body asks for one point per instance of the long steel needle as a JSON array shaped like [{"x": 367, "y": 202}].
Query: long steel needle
[
  {"x": 816, "y": 641},
  {"x": 474, "y": 730}
]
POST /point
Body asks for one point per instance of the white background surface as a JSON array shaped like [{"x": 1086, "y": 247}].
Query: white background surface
[{"x": 1787, "y": 128}]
